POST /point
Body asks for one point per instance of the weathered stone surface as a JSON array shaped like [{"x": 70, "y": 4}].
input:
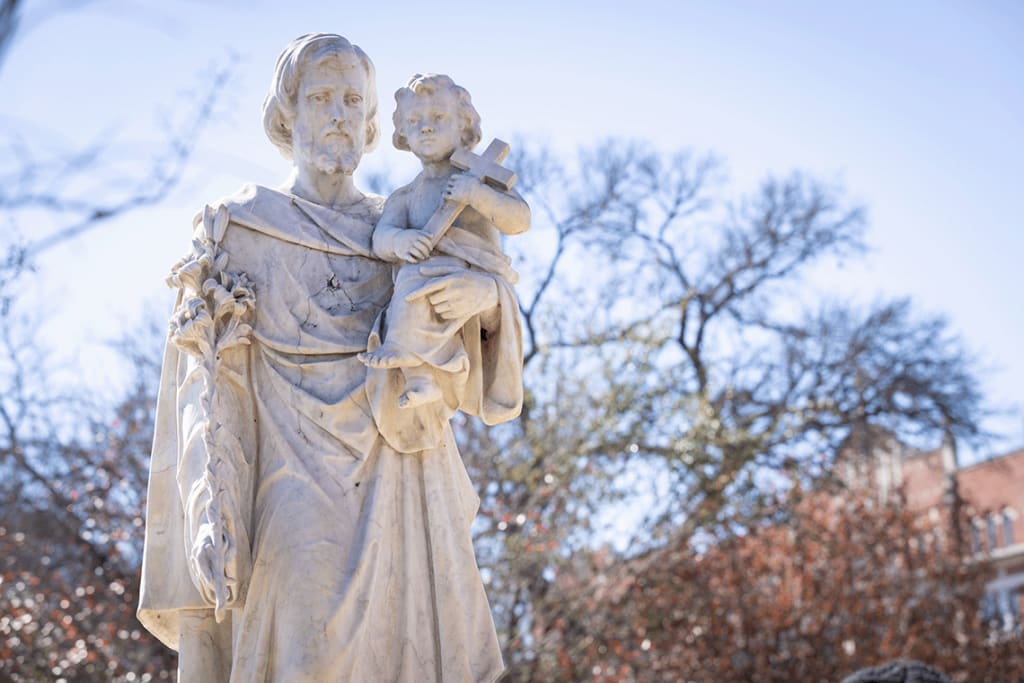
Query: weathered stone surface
[{"x": 309, "y": 514}]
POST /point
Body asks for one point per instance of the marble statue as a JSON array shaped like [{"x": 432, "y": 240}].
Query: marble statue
[
  {"x": 309, "y": 514},
  {"x": 434, "y": 119}
]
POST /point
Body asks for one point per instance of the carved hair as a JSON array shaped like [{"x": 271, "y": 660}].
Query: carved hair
[
  {"x": 279, "y": 107},
  {"x": 426, "y": 84}
]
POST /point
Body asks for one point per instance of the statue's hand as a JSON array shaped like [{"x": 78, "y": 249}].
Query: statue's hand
[
  {"x": 205, "y": 565},
  {"x": 462, "y": 188},
  {"x": 457, "y": 292},
  {"x": 411, "y": 245}
]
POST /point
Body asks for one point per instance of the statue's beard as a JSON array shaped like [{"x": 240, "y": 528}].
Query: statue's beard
[
  {"x": 336, "y": 161},
  {"x": 334, "y": 153}
]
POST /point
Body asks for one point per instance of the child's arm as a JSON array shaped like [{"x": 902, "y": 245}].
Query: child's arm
[
  {"x": 505, "y": 210},
  {"x": 392, "y": 239}
]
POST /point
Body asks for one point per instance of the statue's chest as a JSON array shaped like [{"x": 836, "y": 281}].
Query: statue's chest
[
  {"x": 428, "y": 196},
  {"x": 331, "y": 283},
  {"x": 347, "y": 282},
  {"x": 424, "y": 200},
  {"x": 298, "y": 288},
  {"x": 329, "y": 298}
]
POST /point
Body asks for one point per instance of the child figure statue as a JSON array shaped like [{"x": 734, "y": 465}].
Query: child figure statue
[{"x": 434, "y": 119}]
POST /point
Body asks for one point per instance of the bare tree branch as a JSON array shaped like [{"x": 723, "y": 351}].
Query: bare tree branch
[{"x": 164, "y": 175}]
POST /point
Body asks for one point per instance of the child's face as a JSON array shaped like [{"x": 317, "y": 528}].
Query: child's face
[{"x": 431, "y": 125}]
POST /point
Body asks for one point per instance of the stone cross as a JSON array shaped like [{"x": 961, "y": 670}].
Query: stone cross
[{"x": 486, "y": 167}]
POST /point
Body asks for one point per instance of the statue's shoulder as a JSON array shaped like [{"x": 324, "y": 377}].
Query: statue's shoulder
[
  {"x": 374, "y": 204},
  {"x": 403, "y": 192},
  {"x": 250, "y": 200},
  {"x": 375, "y": 201},
  {"x": 255, "y": 214},
  {"x": 250, "y": 195}
]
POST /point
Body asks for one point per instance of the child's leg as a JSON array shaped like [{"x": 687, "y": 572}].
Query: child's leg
[
  {"x": 405, "y": 320},
  {"x": 389, "y": 355},
  {"x": 420, "y": 386}
]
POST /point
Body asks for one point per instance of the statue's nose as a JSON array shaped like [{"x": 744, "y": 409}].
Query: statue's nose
[{"x": 338, "y": 113}]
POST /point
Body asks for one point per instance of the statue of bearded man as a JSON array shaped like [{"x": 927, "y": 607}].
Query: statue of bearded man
[{"x": 301, "y": 527}]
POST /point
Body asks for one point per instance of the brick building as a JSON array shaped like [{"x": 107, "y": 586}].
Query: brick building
[{"x": 990, "y": 494}]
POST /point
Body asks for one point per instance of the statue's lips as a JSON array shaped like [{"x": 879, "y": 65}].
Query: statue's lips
[{"x": 336, "y": 134}]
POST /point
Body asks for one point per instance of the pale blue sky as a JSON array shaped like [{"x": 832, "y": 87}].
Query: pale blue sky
[{"x": 917, "y": 108}]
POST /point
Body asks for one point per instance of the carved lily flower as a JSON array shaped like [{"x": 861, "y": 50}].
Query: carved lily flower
[
  {"x": 212, "y": 318},
  {"x": 173, "y": 280},
  {"x": 192, "y": 310},
  {"x": 221, "y": 261},
  {"x": 242, "y": 292},
  {"x": 190, "y": 326},
  {"x": 223, "y": 303},
  {"x": 207, "y": 260},
  {"x": 193, "y": 270},
  {"x": 189, "y": 275}
]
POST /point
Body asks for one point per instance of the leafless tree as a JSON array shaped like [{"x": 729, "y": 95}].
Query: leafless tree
[
  {"x": 676, "y": 360},
  {"x": 72, "y": 467},
  {"x": 9, "y": 10}
]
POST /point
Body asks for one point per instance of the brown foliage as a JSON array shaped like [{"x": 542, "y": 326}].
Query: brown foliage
[
  {"x": 72, "y": 472},
  {"x": 69, "y": 557},
  {"x": 840, "y": 584},
  {"x": 675, "y": 362}
]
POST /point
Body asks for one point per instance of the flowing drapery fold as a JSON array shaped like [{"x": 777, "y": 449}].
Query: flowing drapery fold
[{"x": 359, "y": 525}]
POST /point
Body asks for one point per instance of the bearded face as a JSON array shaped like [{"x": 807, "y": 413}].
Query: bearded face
[
  {"x": 334, "y": 149},
  {"x": 329, "y": 129}
]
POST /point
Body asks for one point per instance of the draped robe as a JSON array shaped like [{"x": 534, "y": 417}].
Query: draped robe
[{"x": 352, "y": 516}]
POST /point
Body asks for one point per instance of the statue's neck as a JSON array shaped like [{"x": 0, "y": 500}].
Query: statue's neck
[
  {"x": 327, "y": 189},
  {"x": 437, "y": 169}
]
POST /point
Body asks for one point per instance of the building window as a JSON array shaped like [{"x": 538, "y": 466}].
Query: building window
[
  {"x": 1013, "y": 609},
  {"x": 1001, "y": 610},
  {"x": 990, "y": 609},
  {"x": 993, "y": 539},
  {"x": 1008, "y": 529},
  {"x": 975, "y": 539}
]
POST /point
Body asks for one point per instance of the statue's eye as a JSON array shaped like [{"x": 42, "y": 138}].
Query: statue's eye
[
  {"x": 353, "y": 100},
  {"x": 439, "y": 117}
]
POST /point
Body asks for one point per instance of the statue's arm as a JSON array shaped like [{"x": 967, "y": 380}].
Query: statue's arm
[
  {"x": 493, "y": 341},
  {"x": 392, "y": 239},
  {"x": 457, "y": 293},
  {"x": 216, "y": 428},
  {"x": 506, "y": 211},
  {"x": 215, "y": 474}
]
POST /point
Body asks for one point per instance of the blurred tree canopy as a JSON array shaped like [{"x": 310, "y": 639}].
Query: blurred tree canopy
[
  {"x": 73, "y": 468},
  {"x": 678, "y": 364},
  {"x": 843, "y": 583}
]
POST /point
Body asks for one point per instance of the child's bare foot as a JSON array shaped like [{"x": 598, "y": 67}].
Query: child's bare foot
[
  {"x": 419, "y": 391},
  {"x": 388, "y": 356}
]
